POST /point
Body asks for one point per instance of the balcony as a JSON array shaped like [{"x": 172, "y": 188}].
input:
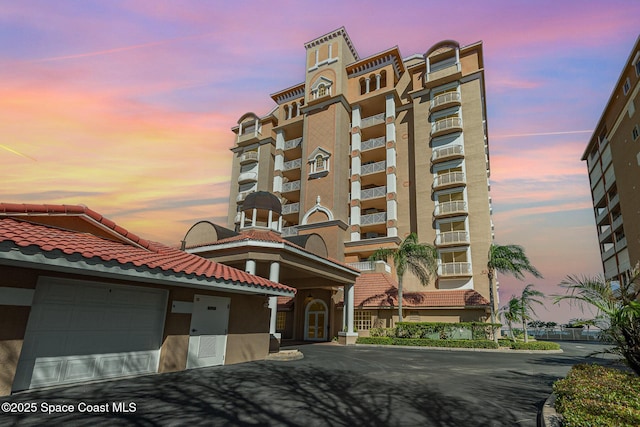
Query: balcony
[
  {"x": 369, "y": 265},
  {"x": 292, "y": 143},
  {"x": 372, "y": 120},
  {"x": 457, "y": 207},
  {"x": 621, "y": 244},
  {"x": 292, "y": 164},
  {"x": 447, "y": 153},
  {"x": 289, "y": 231},
  {"x": 604, "y": 235},
  {"x": 243, "y": 195},
  {"x": 373, "y": 143},
  {"x": 376, "y": 167},
  {"x": 445, "y": 100},
  {"x": 450, "y": 179},
  {"x": 249, "y": 157},
  {"x": 247, "y": 177},
  {"x": 438, "y": 73},
  {"x": 454, "y": 269},
  {"x": 608, "y": 253},
  {"x": 601, "y": 216},
  {"x": 291, "y": 186},
  {"x": 452, "y": 238},
  {"x": 617, "y": 222},
  {"x": 613, "y": 201},
  {"x": 374, "y": 218},
  {"x": 373, "y": 193},
  {"x": 290, "y": 208},
  {"x": 250, "y": 133},
  {"x": 447, "y": 125}
]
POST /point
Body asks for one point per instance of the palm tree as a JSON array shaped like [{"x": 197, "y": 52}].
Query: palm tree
[
  {"x": 527, "y": 299},
  {"x": 507, "y": 259},
  {"x": 511, "y": 313},
  {"x": 417, "y": 258},
  {"x": 618, "y": 310}
]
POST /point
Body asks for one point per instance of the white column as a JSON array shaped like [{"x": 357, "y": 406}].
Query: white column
[
  {"x": 274, "y": 276},
  {"x": 250, "y": 266},
  {"x": 254, "y": 217},
  {"x": 367, "y": 82},
  {"x": 355, "y": 170},
  {"x": 349, "y": 294},
  {"x": 270, "y": 219},
  {"x": 242, "y": 217},
  {"x": 377, "y": 81},
  {"x": 392, "y": 205}
]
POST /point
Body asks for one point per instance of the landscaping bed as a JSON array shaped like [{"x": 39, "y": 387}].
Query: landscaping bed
[
  {"x": 425, "y": 342},
  {"x": 593, "y": 395}
]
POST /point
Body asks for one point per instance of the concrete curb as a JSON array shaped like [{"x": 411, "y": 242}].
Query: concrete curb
[
  {"x": 550, "y": 418},
  {"x": 285, "y": 355},
  {"x": 486, "y": 350}
]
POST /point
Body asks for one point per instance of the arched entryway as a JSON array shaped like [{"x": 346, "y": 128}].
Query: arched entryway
[{"x": 316, "y": 319}]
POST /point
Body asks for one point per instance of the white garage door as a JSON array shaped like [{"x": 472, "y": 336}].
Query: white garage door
[{"x": 80, "y": 331}]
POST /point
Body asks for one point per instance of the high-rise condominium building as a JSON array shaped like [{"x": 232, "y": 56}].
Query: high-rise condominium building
[
  {"x": 364, "y": 151},
  {"x": 613, "y": 162}
]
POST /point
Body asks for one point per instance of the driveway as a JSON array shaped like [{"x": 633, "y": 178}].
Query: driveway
[{"x": 332, "y": 386}]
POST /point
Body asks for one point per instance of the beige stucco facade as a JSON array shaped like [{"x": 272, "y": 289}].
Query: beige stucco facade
[{"x": 369, "y": 150}]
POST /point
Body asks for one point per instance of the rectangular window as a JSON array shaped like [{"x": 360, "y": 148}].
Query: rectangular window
[
  {"x": 281, "y": 320},
  {"x": 362, "y": 320},
  {"x": 627, "y": 86}
]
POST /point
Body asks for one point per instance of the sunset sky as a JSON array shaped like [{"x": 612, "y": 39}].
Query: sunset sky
[{"x": 126, "y": 106}]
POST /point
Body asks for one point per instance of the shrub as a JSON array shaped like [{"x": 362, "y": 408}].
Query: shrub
[
  {"x": 421, "y": 342},
  {"x": 593, "y": 395},
  {"x": 534, "y": 345},
  {"x": 382, "y": 332},
  {"x": 444, "y": 331}
]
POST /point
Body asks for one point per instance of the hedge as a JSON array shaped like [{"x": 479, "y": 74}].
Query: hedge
[
  {"x": 421, "y": 342},
  {"x": 534, "y": 345},
  {"x": 437, "y": 330},
  {"x": 593, "y": 395}
]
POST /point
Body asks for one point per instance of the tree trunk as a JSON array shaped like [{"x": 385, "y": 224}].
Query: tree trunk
[
  {"x": 524, "y": 327},
  {"x": 493, "y": 311},
  {"x": 399, "y": 298}
]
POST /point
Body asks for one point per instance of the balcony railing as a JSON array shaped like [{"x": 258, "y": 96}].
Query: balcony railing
[
  {"x": 372, "y": 143},
  {"x": 608, "y": 253},
  {"x": 452, "y": 238},
  {"x": 448, "y": 208},
  {"x": 449, "y": 178},
  {"x": 372, "y": 120},
  {"x": 291, "y": 186},
  {"x": 447, "y": 152},
  {"x": 438, "y": 73},
  {"x": 249, "y": 156},
  {"x": 373, "y": 167},
  {"x": 374, "y": 218},
  {"x": 290, "y": 208},
  {"x": 292, "y": 164},
  {"x": 363, "y": 265},
  {"x": 605, "y": 234},
  {"x": 247, "y": 177},
  {"x": 292, "y": 143},
  {"x": 446, "y": 124},
  {"x": 613, "y": 201},
  {"x": 445, "y": 98},
  {"x": 373, "y": 193},
  {"x": 454, "y": 269},
  {"x": 243, "y": 195},
  {"x": 289, "y": 231},
  {"x": 616, "y": 223},
  {"x": 621, "y": 244}
]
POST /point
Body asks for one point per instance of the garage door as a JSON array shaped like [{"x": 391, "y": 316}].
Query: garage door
[{"x": 81, "y": 331}]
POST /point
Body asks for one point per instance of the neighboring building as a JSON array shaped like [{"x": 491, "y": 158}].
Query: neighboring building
[
  {"x": 613, "y": 162},
  {"x": 366, "y": 150},
  {"x": 83, "y": 299}
]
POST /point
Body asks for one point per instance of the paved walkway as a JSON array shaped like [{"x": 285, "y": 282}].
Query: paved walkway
[{"x": 332, "y": 386}]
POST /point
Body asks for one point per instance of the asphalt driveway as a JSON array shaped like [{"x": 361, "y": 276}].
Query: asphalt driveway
[{"x": 332, "y": 386}]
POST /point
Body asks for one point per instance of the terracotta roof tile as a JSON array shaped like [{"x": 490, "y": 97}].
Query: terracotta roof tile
[
  {"x": 17, "y": 229},
  {"x": 380, "y": 290}
]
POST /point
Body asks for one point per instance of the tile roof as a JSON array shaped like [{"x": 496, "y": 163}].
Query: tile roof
[
  {"x": 380, "y": 290},
  {"x": 17, "y": 230}
]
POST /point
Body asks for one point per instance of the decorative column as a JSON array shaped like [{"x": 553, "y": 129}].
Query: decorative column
[
  {"x": 349, "y": 337},
  {"x": 356, "y": 138},
  {"x": 250, "y": 266},
  {"x": 279, "y": 161},
  {"x": 378, "y": 81},
  {"x": 274, "y": 276},
  {"x": 392, "y": 202},
  {"x": 367, "y": 82}
]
